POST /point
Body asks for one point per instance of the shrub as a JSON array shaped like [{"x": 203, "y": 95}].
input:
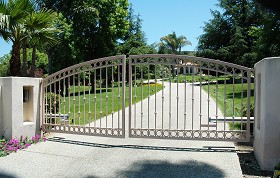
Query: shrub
[
  {"x": 243, "y": 113},
  {"x": 277, "y": 167}
]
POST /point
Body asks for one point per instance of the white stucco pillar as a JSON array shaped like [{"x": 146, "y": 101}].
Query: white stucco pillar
[
  {"x": 19, "y": 106},
  {"x": 267, "y": 112}
]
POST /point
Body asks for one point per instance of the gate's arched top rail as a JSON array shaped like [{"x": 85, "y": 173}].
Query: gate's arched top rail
[
  {"x": 162, "y": 59},
  {"x": 181, "y": 60},
  {"x": 84, "y": 67}
]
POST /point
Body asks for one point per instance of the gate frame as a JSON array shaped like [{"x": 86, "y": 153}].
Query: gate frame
[
  {"x": 62, "y": 73},
  {"x": 89, "y": 63},
  {"x": 193, "y": 59}
]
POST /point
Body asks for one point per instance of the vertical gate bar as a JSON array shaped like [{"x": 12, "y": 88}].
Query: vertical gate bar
[
  {"x": 64, "y": 101},
  {"x": 233, "y": 76},
  {"x": 89, "y": 100},
  {"x": 43, "y": 109},
  {"x": 148, "y": 95},
  {"x": 113, "y": 97},
  {"x": 79, "y": 98},
  {"x": 100, "y": 92},
  {"x": 242, "y": 91},
  {"x": 192, "y": 94},
  {"x": 95, "y": 98},
  {"x": 106, "y": 95},
  {"x": 248, "y": 104},
  {"x": 119, "y": 96},
  {"x": 130, "y": 93},
  {"x": 225, "y": 91},
  {"x": 55, "y": 103},
  {"x": 135, "y": 95},
  {"x": 123, "y": 95},
  {"x": 69, "y": 102},
  {"x": 200, "y": 96},
  {"x": 142, "y": 96},
  {"x": 216, "y": 91},
  {"x": 51, "y": 112},
  {"x": 170, "y": 75},
  {"x": 177, "y": 97},
  {"x": 208, "y": 97},
  {"x": 162, "y": 96},
  {"x": 185, "y": 96},
  {"x": 84, "y": 97},
  {"x": 46, "y": 105},
  {"x": 74, "y": 100},
  {"x": 59, "y": 104},
  {"x": 155, "y": 97}
]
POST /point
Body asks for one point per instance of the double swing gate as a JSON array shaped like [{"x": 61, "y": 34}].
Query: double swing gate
[{"x": 150, "y": 96}]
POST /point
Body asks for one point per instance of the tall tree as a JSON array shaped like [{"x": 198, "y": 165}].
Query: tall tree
[
  {"x": 134, "y": 37},
  {"x": 12, "y": 14},
  {"x": 229, "y": 35},
  {"x": 174, "y": 43},
  {"x": 95, "y": 25},
  {"x": 40, "y": 32}
]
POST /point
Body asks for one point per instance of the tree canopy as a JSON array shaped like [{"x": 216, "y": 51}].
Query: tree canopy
[
  {"x": 172, "y": 43},
  {"x": 22, "y": 23},
  {"x": 243, "y": 33}
]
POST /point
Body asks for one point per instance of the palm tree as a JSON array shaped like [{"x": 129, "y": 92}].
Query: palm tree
[
  {"x": 173, "y": 43},
  {"x": 40, "y": 32},
  {"x": 12, "y": 15},
  {"x": 182, "y": 41},
  {"x": 23, "y": 24}
]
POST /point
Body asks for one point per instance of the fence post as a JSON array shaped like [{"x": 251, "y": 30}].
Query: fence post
[
  {"x": 20, "y": 106},
  {"x": 267, "y": 112}
]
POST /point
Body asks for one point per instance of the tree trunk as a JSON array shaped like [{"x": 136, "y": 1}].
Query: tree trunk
[
  {"x": 15, "y": 64},
  {"x": 50, "y": 61},
  {"x": 33, "y": 63},
  {"x": 24, "y": 58}
]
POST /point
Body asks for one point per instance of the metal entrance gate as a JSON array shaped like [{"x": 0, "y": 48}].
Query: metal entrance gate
[{"x": 168, "y": 96}]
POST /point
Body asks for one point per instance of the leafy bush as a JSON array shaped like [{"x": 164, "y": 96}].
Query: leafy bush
[
  {"x": 243, "y": 113},
  {"x": 277, "y": 167}
]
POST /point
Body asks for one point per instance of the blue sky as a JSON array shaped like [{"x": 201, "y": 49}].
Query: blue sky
[
  {"x": 161, "y": 17},
  {"x": 185, "y": 17}
]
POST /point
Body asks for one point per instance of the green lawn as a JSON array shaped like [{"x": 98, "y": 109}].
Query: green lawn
[
  {"x": 110, "y": 101},
  {"x": 234, "y": 100}
]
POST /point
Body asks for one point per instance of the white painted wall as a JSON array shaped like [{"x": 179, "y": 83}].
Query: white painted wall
[
  {"x": 11, "y": 116},
  {"x": 267, "y": 112}
]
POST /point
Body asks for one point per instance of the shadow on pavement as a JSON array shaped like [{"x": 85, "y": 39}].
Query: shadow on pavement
[
  {"x": 3, "y": 175},
  {"x": 163, "y": 169},
  {"x": 204, "y": 149}
]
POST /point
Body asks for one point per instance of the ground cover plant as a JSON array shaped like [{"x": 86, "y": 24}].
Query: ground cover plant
[{"x": 9, "y": 146}]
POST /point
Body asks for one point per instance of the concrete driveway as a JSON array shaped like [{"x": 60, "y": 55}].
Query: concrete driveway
[
  {"x": 65, "y": 155},
  {"x": 75, "y": 156}
]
